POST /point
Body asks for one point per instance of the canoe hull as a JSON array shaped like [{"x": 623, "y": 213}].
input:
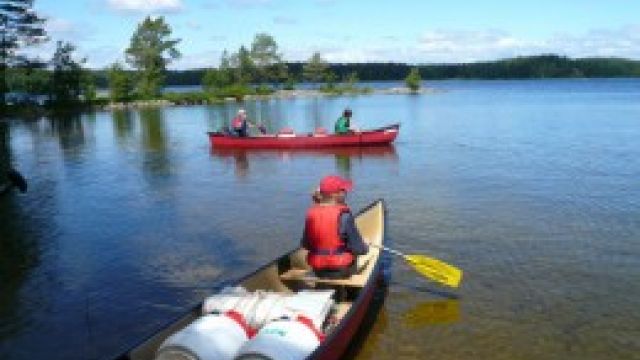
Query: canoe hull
[
  {"x": 371, "y": 222},
  {"x": 382, "y": 136},
  {"x": 338, "y": 343}
]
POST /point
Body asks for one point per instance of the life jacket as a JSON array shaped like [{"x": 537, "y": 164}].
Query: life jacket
[
  {"x": 322, "y": 231},
  {"x": 237, "y": 122}
]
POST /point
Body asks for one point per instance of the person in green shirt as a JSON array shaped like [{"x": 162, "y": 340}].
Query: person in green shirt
[{"x": 343, "y": 124}]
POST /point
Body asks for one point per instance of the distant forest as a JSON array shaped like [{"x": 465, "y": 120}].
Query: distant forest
[{"x": 532, "y": 67}]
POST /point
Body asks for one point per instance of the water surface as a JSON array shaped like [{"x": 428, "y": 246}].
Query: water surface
[{"x": 530, "y": 186}]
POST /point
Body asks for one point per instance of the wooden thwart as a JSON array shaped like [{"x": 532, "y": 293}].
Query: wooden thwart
[{"x": 357, "y": 280}]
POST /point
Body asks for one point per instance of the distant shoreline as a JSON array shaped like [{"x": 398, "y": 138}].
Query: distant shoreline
[
  {"x": 104, "y": 104},
  {"x": 278, "y": 94}
]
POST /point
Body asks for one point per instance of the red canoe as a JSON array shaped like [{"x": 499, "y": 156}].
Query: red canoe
[
  {"x": 381, "y": 136},
  {"x": 354, "y": 304}
]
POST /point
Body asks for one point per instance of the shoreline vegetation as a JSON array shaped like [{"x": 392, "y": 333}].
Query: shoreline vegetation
[
  {"x": 257, "y": 71},
  {"x": 31, "y": 84},
  {"x": 202, "y": 98}
]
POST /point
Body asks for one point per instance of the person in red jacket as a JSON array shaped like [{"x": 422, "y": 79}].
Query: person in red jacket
[
  {"x": 239, "y": 124},
  {"x": 330, "y": 232}
]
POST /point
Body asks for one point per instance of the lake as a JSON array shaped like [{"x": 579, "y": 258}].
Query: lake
[{"x": 531, "y": 187}]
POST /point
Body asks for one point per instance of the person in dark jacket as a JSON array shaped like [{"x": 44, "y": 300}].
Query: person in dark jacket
[{"x": 330, "y": 232}]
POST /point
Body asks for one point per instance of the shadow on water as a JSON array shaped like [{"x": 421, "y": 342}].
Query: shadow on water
[
  {"x": 375, "y": 320},
  {"x": 19, "y": 255},
  {"x": 373, "y": 323},
  {"x": 344, "y": 156},
  {"x": 20, "y": 251}
]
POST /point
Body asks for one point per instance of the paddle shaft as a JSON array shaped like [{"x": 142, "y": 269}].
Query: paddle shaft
[{"x": 396, "y": 252}]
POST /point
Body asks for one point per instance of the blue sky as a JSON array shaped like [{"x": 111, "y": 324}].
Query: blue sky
[{"x": 353, "y": 30}]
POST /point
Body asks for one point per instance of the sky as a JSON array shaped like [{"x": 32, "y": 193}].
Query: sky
[{"x": 414, "y": 32}]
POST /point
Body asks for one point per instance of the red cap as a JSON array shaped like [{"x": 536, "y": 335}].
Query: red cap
[{"x": 333, "y": 184}]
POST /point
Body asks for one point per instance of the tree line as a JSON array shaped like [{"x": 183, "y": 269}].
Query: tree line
[
  {"x": 258, "y": 68},
  {"x": 531, "y": 67}
]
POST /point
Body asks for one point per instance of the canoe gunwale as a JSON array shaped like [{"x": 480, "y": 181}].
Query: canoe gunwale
[
  {"x": 324, "y": 351},
  {"x": 365, "y": 294},
  {"x": 375, "y": 137}
]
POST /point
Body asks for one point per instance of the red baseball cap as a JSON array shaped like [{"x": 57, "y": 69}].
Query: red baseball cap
[{"x": 332, "y": 184}]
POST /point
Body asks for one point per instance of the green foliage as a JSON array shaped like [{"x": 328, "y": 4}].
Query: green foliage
[
  {"x": 238, "y": 91},
  {"x": 266, "y": 58},
  {"x": 120, "y": 84},
  {"x": 188, "y": 98},
  {"x": 331, "y": 78},
  {"x": 88, "y": 86},
  {"x": 20, "y": 26},
  {"x": 263, "y": 90},
  {"x": 28, "y": 80},
  {"x": 211, "y": 80},
  {"x": 351, "y": 80},
  {"x": 316, "y": 69},
  {"x": 150, "y": 51},
  {"x": 66, "y": 82},
  {"x": 245, "y": 69},
  {"x": 413, "y": 80},
  {"x": 290, "y": 83}
]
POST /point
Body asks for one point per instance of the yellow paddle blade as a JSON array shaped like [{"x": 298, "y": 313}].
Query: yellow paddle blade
[{"x": 435, "y": 269}]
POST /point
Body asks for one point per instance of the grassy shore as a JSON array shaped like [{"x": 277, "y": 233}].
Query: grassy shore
[{"x": 198, "y": 98}]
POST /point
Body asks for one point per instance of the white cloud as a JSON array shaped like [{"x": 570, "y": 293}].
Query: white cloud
[
  {"x": 457, "y": 46},
  {"x": 469, "y": 46},
  {"x": 621, "y": 42},
  {"x": 146, "y": 5}
]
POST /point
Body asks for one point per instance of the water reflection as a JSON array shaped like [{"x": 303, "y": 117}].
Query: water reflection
[
  {"x": 4, "y": 147},
  {"x": 19, "y": 251},
  {"x": 433, "y": 313},
  {"x": 154, "y": 141},
  {"x": 70, "y": 132},
  {"x": 19, "y": 255},
  {"x": 268, "y": 113},
  {"x": 123, "y": 124},
  {"x": 154, "y": 136},
  {"x": 345, "y": 157}
]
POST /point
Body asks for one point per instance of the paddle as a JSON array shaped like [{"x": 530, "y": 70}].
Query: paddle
[{"x": 429, "y": 267}]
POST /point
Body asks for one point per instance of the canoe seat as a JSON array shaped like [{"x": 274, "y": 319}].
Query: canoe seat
[{"x": 356, "y": 280}]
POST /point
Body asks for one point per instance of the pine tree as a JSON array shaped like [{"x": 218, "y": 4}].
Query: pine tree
[
  {"x": 20, "y": 26},
  {"x": 150, "y": 51},
  {"x": 413, "y": 80},
  {"x": 316, "y": 69},
  {"x": 66, "y": 82}
]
